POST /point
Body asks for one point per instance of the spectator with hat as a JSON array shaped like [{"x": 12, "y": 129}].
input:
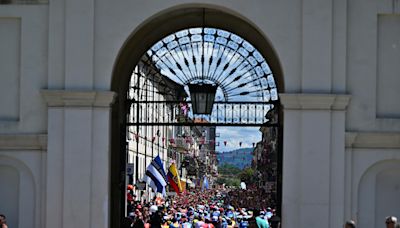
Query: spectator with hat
[
  {"x": 391, "y": 222},
  {"x": 350, "y": 224}
]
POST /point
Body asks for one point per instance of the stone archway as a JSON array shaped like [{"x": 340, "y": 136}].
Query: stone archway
[
  {"x": 166, "y": 22},
  {"x": 380, "y": 184},
  {"x": 18, "y": 178}
]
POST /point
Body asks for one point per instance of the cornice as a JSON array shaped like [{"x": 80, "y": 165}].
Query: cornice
[
  {"x": 71, "y": 98},
  {"x": 23, "y": 142},
  {"x": 372, "y": 140},
  {"x": 306, "y": 101}
]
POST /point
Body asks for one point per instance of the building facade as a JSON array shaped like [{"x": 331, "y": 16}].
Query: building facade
[{"x": 65, "y": 68}]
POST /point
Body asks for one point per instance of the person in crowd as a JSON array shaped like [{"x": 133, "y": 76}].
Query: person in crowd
[
  {"x": 390, "y": 222},
  {"x": 138, "y": 222},
  {"x": 200, "y": 222},
  {"x": 174, "y": 223},
  {"x": 243, "y": 222},
  {"x": 3, "y": 221},
  {"x": 126, "y": 222},
  {"x": 275, "y": 220},
  {"x": 350, "y": 224},
  {"x": 260, "y": 221},
  {"x": 155, "y": 216},
  {"x": 208, "y": 223},
  {"x": 185, "y": 222}
]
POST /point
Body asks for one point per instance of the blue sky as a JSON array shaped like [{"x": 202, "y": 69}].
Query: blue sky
[{"x": 234, "y": 135}]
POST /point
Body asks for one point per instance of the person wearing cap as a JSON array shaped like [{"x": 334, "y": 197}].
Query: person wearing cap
[
  {"x": 350, "y": 224},
  {"x": 391, "y": 222}
]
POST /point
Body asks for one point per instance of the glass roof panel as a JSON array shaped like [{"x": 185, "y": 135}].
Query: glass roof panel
[{"x": 210, "y": 55}]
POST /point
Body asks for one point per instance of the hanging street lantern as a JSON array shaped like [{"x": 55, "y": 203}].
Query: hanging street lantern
[{"x": 202, "y": 96}]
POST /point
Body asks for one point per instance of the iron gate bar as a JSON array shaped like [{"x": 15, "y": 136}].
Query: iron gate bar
[
  {"x": 204, "y": 124},
  {"x": 233, "y": 113},
  {"x": 216, "y": 102}
]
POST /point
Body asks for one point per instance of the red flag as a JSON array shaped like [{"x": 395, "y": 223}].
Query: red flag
[
  {"x": 137, "y": 137},
  {"x": 171, "y": 140}
]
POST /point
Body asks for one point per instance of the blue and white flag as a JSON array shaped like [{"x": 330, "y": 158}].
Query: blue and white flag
[{"x": 155, "y": 176}]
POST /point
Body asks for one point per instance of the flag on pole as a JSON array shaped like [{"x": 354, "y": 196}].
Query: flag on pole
[
  {"x": 173, "y": 178},
  {"x": 155, "y": 176},
  {"x": 204, "y": 184}
]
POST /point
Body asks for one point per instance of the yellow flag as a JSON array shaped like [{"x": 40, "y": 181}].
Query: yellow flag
[{"x": 173, "y": 177}]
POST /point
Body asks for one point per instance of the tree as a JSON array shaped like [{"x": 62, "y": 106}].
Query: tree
[
  {"x": 228, "y": 170},
  {"x": 247, "y": 176},
  {"x": 235, "y": 182}
]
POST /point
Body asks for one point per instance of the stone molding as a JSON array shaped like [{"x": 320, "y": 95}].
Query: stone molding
[
  {"x": 373, "y": 140},
  {"x": 71, "y": 98},
  {"x": 307, "y": 101},
  {"x": 23, "y": 142}
]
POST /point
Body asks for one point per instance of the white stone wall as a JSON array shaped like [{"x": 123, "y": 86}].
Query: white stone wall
[
  {"x": 324, "y": 47},
  {"x": 23, "y": 119}
]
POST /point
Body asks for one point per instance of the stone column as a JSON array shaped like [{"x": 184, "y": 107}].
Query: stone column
[
  {"x": 313, "y": 159},
  {"x": 78, "y": 163}
]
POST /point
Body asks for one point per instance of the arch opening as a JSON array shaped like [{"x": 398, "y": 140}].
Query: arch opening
[{"x": 145, "y": 38}]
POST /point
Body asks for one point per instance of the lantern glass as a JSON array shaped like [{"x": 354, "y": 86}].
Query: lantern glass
[{"x": 202, "y": 96}]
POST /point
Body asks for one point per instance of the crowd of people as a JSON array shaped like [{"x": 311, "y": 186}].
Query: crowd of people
[
  {"x": 250, "y": 198},
  {"x": 203, "y": 209},
  {"x": 213, "y": 208},
  {"x": 196, "y": 208}
]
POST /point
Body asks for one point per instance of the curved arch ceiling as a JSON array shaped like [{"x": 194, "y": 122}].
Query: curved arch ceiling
[{"x": 215, "y": 56}]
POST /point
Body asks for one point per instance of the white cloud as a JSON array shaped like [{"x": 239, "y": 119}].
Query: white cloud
[{"x": 235, "y": 135}]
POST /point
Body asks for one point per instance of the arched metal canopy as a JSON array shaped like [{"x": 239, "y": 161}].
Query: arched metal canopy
[
  {"x": 215, "y": 56},
  {"x": 207, "y": 58}
]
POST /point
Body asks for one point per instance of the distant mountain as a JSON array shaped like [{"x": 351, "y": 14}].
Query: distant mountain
[{"x": 240, "y": 158}]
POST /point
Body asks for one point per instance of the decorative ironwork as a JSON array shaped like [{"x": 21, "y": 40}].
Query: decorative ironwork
[
  {"x": 223, "y": 114},
  {"x": 215, "y": 56},
  {"x": 159, "y": 90}
]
